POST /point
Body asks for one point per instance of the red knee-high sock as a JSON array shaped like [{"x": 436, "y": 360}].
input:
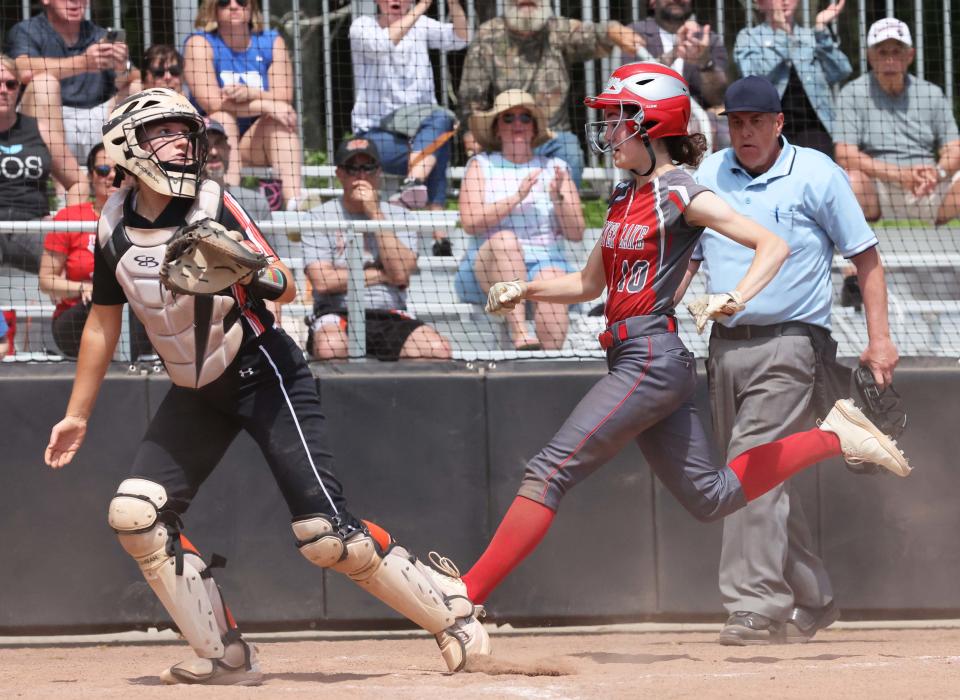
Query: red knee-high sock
[
  {"x": 520, "y": 531},
  {"x": 762, "y": 467}
]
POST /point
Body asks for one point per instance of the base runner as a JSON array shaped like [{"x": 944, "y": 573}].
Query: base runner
[{"x": 653, "y": 224}]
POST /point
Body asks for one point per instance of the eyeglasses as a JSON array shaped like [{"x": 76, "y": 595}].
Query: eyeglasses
[
  {"x": 175, "y": 71},
  {"x": 103, "y": 170},
  {"x": 11, "y": 84},
  {"x": 226, "y": 3},
  {"x": 523, "y": 117},
  {"x": 360, "y": 169}
]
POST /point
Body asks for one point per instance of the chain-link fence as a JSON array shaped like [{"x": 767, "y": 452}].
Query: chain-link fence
[{"x": 374, "y": 145}]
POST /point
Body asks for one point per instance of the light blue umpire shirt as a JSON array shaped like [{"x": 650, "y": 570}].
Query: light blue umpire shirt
[{"x": 806, "y": 199}]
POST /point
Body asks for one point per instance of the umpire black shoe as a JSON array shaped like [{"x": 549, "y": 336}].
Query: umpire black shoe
[
  {"x": 743, "y": 628},
  {"x": 804, "y": 623}
]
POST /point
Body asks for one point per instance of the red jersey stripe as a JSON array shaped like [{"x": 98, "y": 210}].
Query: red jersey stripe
[
  {"x": 241, "y": 294},
  {"x": 249, "y": 227}
]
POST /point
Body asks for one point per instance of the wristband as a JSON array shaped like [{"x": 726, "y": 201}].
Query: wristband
[{"x": 270, "y": 284}]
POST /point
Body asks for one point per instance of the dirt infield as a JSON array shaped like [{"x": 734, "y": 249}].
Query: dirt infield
[{"x": 847, "y": 662}]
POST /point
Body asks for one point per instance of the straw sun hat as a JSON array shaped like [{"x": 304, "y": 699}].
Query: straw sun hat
[{"x": 482, "y": 124}]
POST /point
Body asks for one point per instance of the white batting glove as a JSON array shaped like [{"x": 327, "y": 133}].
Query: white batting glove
[
  {"x": 504, "y": 296},
  {"x": 710, "y": 307}
]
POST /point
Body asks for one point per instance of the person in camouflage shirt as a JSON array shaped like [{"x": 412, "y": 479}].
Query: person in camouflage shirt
[{"x": 531, "y": 50}]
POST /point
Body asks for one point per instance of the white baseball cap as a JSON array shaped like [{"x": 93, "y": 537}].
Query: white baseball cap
[{"x": 888, "y": 28}]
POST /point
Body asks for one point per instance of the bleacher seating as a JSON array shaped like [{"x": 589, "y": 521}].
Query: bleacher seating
[{"x": 923, "y": 284}]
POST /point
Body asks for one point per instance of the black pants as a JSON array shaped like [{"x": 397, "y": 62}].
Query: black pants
[
  {"x": 68, "y": 329},
  {"x": 269, "y": 392},
  {"x": 21, "y": 250}
]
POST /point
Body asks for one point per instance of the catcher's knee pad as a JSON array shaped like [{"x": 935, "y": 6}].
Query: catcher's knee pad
[
  {"x": 393, "y": 575},
  {"x": 172, "y": 568}
]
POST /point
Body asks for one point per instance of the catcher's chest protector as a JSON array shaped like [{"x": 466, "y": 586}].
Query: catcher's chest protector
[{"x": 196, "y": 336}]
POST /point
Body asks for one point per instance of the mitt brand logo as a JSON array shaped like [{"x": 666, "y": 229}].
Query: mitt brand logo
[
  {"x": 247, "y": 372},
  {"x": 146, "y": 261}
]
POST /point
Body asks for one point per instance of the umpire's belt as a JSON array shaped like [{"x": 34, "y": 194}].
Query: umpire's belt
[
  {"x": 636, "y": 327},
  {"x": 751, "y": 332}
]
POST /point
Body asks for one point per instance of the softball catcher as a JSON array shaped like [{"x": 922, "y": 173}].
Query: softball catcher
[{"x": 197, "y": 272}]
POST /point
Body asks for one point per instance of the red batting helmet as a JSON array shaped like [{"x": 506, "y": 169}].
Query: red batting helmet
[{"x": 661, "y": 93}]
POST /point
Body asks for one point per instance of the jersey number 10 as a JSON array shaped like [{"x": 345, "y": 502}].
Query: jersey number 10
[{"x": 633, "y": 277}]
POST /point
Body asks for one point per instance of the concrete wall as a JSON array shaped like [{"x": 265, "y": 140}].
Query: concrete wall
[{"x": 435, "y": 456}]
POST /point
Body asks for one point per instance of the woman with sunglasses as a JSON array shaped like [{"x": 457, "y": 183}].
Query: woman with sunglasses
[
  {"x": 240, "y": 75},
  {"x": 66, "y": 267},
  {"x": 163, "y": 68},
  {"x": 654, "y": 221},
  {"x": 27, "y": 167},
  {"x": 518, "y": 207}
]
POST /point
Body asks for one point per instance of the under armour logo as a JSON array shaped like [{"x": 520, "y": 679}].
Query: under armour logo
[
  {"x": 248, "y": 372},
  {"x": 146, "y": 261}
]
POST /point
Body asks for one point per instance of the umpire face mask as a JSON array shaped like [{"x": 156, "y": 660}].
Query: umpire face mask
[{"x": 526, "y": 16}]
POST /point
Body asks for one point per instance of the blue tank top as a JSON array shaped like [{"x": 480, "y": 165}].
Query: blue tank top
[{"x": 247, "y": 67}]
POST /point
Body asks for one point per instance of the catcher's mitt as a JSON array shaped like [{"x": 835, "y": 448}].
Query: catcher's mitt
[
  {"x": 205, "y": 258},
  {"x": 883, "y": 407}
]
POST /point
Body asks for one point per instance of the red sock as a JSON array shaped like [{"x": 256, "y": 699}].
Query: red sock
[
  {"x": 520, "y": 531},
  {"x": 765, "y": 466}
]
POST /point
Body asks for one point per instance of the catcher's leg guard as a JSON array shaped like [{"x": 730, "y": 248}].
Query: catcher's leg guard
[
  {"x": 182, "y": 582},
  {"x": 468, "y": 629},
  {"x": 390, "y": 574}
]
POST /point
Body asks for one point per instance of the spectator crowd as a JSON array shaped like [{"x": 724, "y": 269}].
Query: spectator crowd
[{"x": 894, "y": 134}]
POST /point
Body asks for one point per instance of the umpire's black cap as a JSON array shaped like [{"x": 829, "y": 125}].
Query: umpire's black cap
[{"x": 751, "y": 94}]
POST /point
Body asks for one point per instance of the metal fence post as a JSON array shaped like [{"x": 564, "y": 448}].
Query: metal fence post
[{"x": 357, "y": 321}]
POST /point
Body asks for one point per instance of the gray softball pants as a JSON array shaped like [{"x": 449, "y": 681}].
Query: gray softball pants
[{"x": 647, "y": 396}]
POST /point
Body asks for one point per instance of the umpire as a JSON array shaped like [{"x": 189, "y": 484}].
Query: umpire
[{"x": 762, "y": 361}]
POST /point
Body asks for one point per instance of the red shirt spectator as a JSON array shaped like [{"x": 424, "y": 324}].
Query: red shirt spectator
[{"x": 76, "y": 248}]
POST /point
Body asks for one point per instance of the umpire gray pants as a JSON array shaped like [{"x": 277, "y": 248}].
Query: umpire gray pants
[{"x": 761, "y": 390}]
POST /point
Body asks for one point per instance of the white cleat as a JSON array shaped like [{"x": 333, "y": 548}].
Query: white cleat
[
  {"x": 466, "y": 638},
  {"x": 861, "y": 440},
  {"x": 216, "y": 671}
]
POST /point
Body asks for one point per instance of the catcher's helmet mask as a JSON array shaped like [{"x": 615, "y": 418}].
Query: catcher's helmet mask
[{"x": 123, "y": 138}]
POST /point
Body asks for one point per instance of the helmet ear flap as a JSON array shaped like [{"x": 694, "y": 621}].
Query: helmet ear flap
[{"x": 632, "y": 124}]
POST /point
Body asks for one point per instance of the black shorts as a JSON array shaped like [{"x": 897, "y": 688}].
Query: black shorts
[
  {"x": 267, "y": 391},
  {"x": 387, "y": 331}
]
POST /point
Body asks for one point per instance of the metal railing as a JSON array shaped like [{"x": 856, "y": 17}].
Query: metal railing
[{"x": 293, "y": 222}]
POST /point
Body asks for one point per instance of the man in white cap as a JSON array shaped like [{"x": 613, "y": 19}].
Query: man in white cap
[{"x": 896, "y": 135}]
